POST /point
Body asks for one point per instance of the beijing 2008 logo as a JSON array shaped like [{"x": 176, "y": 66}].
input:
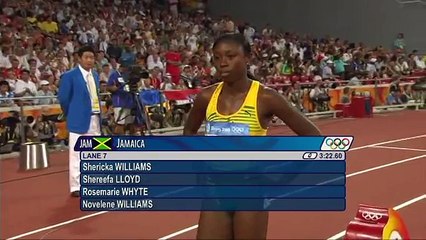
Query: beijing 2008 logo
[{"x": 337, "y": 143}]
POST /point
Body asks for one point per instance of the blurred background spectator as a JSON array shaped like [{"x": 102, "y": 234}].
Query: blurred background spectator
[{"x": 39, "y": 40}]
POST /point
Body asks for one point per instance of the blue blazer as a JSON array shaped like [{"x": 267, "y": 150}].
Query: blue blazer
[{"x": 74, "y": 98}]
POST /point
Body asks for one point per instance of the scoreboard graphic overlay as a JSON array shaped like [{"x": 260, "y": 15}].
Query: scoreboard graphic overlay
[{"x": 178, "y": 173}]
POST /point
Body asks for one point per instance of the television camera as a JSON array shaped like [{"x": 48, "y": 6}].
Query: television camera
[
  {"x": 132, "y": 78},
  {"x": 131, "y": 83}
]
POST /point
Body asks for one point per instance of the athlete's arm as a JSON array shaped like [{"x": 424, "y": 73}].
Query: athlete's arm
[
  {"x": 198, "y": 112},
  {"x": 275, "y": 104}
]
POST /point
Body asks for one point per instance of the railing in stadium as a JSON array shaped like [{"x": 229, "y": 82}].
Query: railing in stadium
[{"x": 379, "y": 92}]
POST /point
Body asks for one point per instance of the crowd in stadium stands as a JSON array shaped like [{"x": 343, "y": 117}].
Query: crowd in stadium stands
[{"x": 39, "y": 39}]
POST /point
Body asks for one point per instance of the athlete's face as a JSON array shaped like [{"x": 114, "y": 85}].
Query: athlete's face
[{"x": 230, "y": 61}]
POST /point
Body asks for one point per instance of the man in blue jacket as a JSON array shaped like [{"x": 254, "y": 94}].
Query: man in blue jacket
[{"x": 79, "y": 99}]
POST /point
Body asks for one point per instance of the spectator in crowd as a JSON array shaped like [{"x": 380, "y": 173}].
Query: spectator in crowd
[
  {"x": 372, "y": 67},
  {"x": 358, "y": 64},
  {"x": 15, "y": 68},
  {"x": 394, "y": 97},
  {"x": 167, "y": 84},
  {"x": 346, "y": 98},
  {"x": 106, "y": 71},
  {"x": 48, "y": 25},
  {"x": 113, "y": 50},
  {"x": 45, "y": 92},
  {"x": 11, "y": 79},
  {"x": 155, "y": 29},
  {"x": 399, "y": 43},
  {"x": 173, "y": 58},
  {"x": 5, "y": 56},
  {"x": 395, "y": 84},
  {"x": 356, "y": 80},
  {"x": 101, "y": 60},
  {"x": 103, "y": 90},
  {"x": 249, "y": 33},
  {"x": 339, "y": 66},
  {"x": 5, "y": 93},
  {"x": 43, "y": 37},
  {"x": 154, "y": 61},
  {"x": 419, "y": 63},
  {"x": 128, "y": 57},
  {"x": 407, "y": 94},
  {"x": 187, "y": 76},
  {"x": 319, "y": 96},
  {"x": 146, "y": 84},
  {"x": 181, "y": 85},
  {"x": 327, "y": 71},
  {"x": 295, "y": 95},
  {"x": 402, "y": 66},
  {"x": 25, "y": 88},
  {"x": 35, "y": 73},
  {"x": 155, "y": 77}
]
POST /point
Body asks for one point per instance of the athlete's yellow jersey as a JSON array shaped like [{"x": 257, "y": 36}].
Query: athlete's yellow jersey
[{"x": 243, "y": 122}]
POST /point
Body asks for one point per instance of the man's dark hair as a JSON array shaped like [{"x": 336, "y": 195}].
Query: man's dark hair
[
  {"x": 4, "y": 83},
  {"x": 86, "y": 48}
]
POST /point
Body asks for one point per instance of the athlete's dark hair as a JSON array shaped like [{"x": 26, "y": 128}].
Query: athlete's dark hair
[
  {"x": 238, "y": 39},
  {"x": 234, "y": 38}
]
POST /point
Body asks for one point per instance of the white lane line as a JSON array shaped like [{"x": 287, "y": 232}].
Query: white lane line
[
  {"x": 387, "y": 142},
  {"x": 347, "y": 176},
  {"x": 179, "y": 232},
  {"x": 385, "y": 166},
  {"x": 400, "y": 148},
  {"x": 353, "y": 174},
  {"x": 396, "y": 208},
  {"x": 57, "y": 225},
  {"x": 269, "y": 201},
  {"x": 195, "y": 226},
  {"x": 409, "y": 202}
]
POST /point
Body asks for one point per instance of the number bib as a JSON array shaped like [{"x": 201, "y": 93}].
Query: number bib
[{"x": 227, "y": 129}]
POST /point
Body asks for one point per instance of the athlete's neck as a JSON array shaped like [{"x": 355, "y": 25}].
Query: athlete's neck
[{"x": 240, "y": 86}]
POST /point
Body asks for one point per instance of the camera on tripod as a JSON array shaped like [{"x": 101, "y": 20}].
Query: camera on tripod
[{"x": 133, "y": 76}]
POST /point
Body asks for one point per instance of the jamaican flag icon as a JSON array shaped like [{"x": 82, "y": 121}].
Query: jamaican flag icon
[{"x": 102, "y": 143}]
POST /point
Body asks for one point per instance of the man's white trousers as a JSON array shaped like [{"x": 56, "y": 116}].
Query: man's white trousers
[{"x": 74, "y": 156}]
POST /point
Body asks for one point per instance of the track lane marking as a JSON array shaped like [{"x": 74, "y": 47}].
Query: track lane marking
[
  {"x": 194, "y": 226},
  {"x": 400, "y": 148},
  {"x": 347, "y": 176}
]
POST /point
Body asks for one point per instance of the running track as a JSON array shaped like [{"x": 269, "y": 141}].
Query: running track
[{"x": 385, "y": 167}]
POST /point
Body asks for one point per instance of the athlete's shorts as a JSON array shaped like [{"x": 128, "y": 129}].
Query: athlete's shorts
[
  {"x": 123, "y": 116},
  {"x": 239, "y": 201}
]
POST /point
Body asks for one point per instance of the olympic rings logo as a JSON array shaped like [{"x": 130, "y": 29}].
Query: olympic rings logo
[
  {"x": 237, "y": 129},
  {"x": 337, "y": 143},
  {"x": 371, "y": 216}
]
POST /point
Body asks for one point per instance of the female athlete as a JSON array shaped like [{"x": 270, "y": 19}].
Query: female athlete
[{"x": 239, "y": 101}]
